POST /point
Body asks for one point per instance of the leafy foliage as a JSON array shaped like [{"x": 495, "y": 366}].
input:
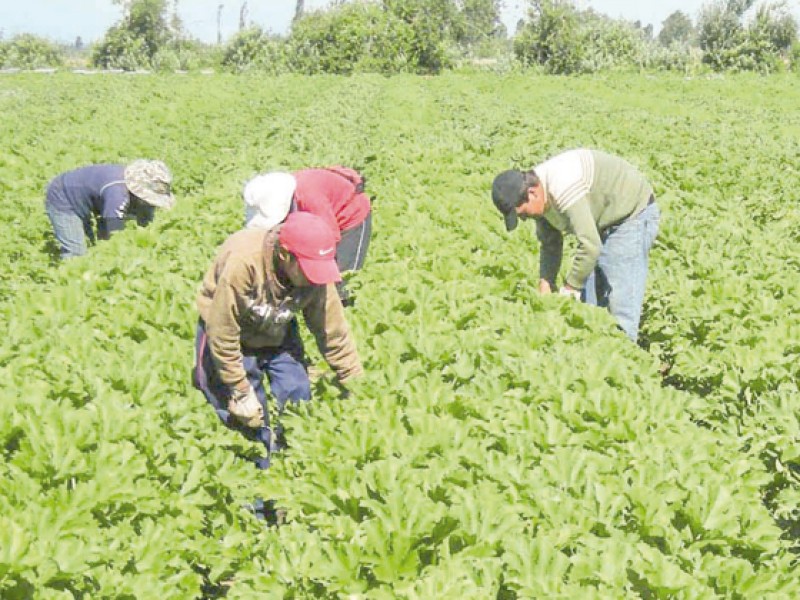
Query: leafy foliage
[
  {"x": 141, "y": 39},
  {"x": 358, "y": 37},
  {"x": 677, "y": 27},
  {"x": 422, "y": 36},
  {"x": 29, "y": 51},
  {"x": 728, "y": 42},
  {"x": 564, "y": 40},
  {"x": 254, "y": 49}
]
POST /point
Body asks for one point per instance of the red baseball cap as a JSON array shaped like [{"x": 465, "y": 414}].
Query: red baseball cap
[{"x": 313, "y": 244}]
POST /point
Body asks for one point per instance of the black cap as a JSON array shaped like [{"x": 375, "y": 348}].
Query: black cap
[{"x": 508, "y": 192}]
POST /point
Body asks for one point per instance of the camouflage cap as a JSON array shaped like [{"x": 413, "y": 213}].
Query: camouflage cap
[{"x": 151, "y": 181}]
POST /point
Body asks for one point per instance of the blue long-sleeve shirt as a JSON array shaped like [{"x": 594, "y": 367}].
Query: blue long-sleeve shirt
[{"x": 98, "y": 190}]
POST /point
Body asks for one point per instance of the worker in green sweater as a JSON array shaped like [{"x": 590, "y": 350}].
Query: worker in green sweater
[{"x": 608, "y": 205}]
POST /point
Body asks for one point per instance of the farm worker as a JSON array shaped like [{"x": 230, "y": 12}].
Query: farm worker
[
  {"x": 248, "y": 301},
  {"x": 608, "y": 205},
  {"x": 335, "y": 194},
  {"x": 108, "y": 192}
]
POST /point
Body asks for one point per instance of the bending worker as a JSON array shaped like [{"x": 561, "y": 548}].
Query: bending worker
[
  {"x": 610, "y": 208},
  {"x": 110, "y": 194},
  {"x": 335, "y": 194},
  {"x": 249, "y": 298}
]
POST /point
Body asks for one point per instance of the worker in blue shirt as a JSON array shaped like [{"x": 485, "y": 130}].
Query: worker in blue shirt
[{"x": 107, "y": 194}]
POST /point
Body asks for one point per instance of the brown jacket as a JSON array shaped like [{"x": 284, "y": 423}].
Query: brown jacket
[{"x": 241, "y": 285}]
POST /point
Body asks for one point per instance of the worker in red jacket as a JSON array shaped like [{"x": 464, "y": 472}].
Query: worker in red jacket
[{"x": 335, "y": 194}]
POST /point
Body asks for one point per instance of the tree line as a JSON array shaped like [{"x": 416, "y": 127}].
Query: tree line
[{"x": 430, "y": 36}]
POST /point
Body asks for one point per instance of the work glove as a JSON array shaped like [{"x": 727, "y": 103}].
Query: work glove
[
  {"x": 570, "y": 292},
  {"x": 246, "y": 408}
]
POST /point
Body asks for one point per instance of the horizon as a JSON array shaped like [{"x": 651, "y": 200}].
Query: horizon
[{"x": 64, "y": 21}]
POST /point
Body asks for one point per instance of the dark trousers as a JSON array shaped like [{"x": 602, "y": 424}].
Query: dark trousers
[
  {"x": 351, "y": 253},
  {"x": 283, "y": 367}
]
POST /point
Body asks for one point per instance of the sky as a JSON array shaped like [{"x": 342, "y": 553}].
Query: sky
[{"x": 65, "y": 20}]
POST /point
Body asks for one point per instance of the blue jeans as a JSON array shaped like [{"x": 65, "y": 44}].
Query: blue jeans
[
  {"x": 283, "y": 366},
  {"x": 70, "y": 231},
  {"x": 618, "y": 281}
]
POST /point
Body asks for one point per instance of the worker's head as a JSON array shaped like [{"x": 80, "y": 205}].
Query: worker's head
[
  {"x": 307, "y": 250},
  {"x": 268, "y": 199},
  {"x": 518, "y": 194},
  {"x": 151, "y": 182}
]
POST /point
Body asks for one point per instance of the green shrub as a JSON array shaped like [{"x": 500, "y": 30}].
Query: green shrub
[
  {"x": 255, "y": 50},
  {"x": 565, "y": 40},
  {"x": 121, "y": 49},
  {"x": 681, "y": 57},
  {"x": 433, "y": 29},
  {"x": 29, "y": 51},
  {"x": 138, "y": 38},
  {"x": 184, "y": 55},
  {"x": 794, "y": 57},
  {"x": 552, "y": 38},
  {"x": 729, "y": 43},
  {"x": 612, "y": 44},
  {"x": 368, "y": 37},
  {"x": 356, "y": 37}
]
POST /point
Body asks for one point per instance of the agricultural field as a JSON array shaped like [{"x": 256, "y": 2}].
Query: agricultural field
[{"x": 503, "y": 444}]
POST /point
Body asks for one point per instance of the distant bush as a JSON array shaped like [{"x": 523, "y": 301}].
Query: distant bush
[
  {"x": 383, "y": 36},
  {"x": 729, "y": 42},
  {"x": 432, "y": 31},
  {"x": 185, "y": 55},
  {"x": 677, "y": 27},
  {"x": 121, "y": 49},
  {"x": 680, "y": 57},
  {"x": 564, "y": 40},
  {"x": 29, "y": 51},
  {"x": 146, "y": 38},
  {"x": 551, "y": 37},
  {"x": 612, "y": 44},
  {"x": 794, "y": 57},
  {"x": 360, "y": 37},
  {"x": 255, "y": 50}
]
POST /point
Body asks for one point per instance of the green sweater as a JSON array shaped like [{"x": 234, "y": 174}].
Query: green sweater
[{"x": 587, "y": 191}]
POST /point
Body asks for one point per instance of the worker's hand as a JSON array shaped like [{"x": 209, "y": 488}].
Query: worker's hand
[
  {"x": 544, "y": 287},
  {"x": 345, "y": 385},
  {"x": 571, "y": 292},
  {"x": 246, "y": 408}
]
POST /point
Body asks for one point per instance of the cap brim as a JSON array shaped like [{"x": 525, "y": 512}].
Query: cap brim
[
  {"x": 511, "y": 220},
  {"x": 147, "y": 195},
  {"x": 320, "y": 272},
  {"x": 158, "y": 200},
  {"x": 254, "y": 219}
]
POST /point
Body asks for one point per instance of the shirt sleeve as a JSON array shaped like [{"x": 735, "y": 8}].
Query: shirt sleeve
[
  {"x": 550, "y": 251},
  {"x": 325, "y": 318},
  {"x": 116, "y": 200},
  {"x": 105, "y": 227},
  {"x": 223, "y": 328},
  {"x": 582, "y": 224}
]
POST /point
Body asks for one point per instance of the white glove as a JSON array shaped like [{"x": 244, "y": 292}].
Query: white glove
[
  {"x": 574, "y": 294},
  {"x": 246, "y": 408}
]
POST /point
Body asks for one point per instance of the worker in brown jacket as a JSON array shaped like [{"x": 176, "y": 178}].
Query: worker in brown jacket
[{"x": 249, "y": 298}]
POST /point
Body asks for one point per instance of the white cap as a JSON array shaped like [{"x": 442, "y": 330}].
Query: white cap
[{"x": 267, "y": 199}]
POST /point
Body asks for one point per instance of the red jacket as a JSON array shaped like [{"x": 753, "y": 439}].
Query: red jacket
[{"x": 332, "y": 197}]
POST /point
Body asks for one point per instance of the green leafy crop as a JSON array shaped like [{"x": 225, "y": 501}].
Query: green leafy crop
[{"x": 502, "y": 444}]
